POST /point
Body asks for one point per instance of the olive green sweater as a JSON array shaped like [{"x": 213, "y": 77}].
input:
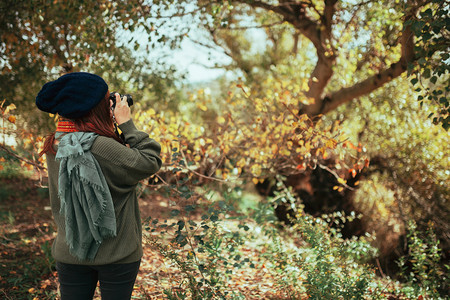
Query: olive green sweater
[{"x": 123, "y": 167}]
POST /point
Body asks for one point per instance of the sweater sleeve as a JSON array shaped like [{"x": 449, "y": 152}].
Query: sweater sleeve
[{"x": 129, "y": 164}]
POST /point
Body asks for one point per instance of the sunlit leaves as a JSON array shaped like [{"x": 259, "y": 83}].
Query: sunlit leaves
[
  {"x": 12, "y": 137},
  {"x": 6, "y": 112},
  {"x": 246, "y": 136},
  {"x": 430, "y": 74}
]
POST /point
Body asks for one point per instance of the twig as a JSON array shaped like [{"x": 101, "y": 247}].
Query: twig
[
  {"x": 197, "y": 173},
  {"x": 181, "y": 14},
  {"x": 252, "y": 27},
  {"x": 335, "y": 175},
  {"x": 36, "y": 165},
  {"x": 6, "y": 295},
  {"x": 379, "y": 268}
]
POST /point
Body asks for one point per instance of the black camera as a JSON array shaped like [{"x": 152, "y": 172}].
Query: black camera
[{"x": 112, "y": 96}]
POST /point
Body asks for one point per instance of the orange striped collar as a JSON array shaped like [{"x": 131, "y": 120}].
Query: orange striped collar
[{"x": 66, "y": 126}]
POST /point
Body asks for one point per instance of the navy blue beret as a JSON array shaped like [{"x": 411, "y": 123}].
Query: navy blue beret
[{"x": 72, "y": 95}]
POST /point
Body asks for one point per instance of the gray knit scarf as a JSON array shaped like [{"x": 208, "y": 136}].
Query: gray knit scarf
[{"x": 86, "y": 201}]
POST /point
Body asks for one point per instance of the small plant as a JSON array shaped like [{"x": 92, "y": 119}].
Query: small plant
[
  {"x": 203, "y": 251},
  {"x": 421, "y": 267},
  {"x": 312, "y": 260},
  {"x": 328, "y": 271}
]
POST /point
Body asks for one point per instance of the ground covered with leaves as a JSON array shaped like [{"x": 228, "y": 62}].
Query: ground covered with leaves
[
  {"x": 201, "y": 258},
  {"x": 27, "y": 268}
]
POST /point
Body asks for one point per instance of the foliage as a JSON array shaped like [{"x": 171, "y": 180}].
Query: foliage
[
  {"x": 209, "y": 253},
  {"x": 41, "y": 40},
  {"x": 202, "y": 250},
  {"x": 408, "y": 177},
  {"x": 375, "y": 40},
  {"x": 329, "y": 276},
  {"x": 430, "y": 73},
  {"x": 214, "y": 246},
  {"x": 246, "y": 135},
  {"x": 425, "y": 274},
  {"x": 17, "y": 145}
]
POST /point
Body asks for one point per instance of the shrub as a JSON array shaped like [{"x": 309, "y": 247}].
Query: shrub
[{"x": 421, "y": 267}]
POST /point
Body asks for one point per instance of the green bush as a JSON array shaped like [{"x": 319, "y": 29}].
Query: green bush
[
  {"x": 310, "y": 259},
  {"x": 421, "y": 267}
]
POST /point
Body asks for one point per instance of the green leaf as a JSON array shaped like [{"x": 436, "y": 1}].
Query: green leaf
[
  {"x": 180, "y": 225},
  {"x": 422, "y": 61},
  {"x": 433, "y": 79}
]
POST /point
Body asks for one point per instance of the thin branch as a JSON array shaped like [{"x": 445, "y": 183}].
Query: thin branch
[
  {"x": 335, "y": 175},
  {"x": 266, "y": 6},
  {"x": 252, "y": 27},
  {"x": 36, "y": 165},
  {"x": 211, "y": 46},
  {"x": 197, "y": 173},
  {"x": 355, "y": 12},
  {"x": 181, "y": 14}
]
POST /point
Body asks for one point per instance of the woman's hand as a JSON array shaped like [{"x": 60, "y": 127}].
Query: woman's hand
[{"x": 122, "y": 112}]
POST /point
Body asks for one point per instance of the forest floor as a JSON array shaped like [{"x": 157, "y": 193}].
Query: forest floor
[{"x": 26, "y": 266}]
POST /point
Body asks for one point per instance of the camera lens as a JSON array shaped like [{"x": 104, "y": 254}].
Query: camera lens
[{"x": 112, "y": 97}]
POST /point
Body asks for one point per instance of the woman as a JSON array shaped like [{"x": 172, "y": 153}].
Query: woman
[{"x": 93, "y": 176}]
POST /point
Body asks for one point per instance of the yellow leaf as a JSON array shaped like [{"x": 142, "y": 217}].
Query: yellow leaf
[
  {"x": 308, "y": 146},
  {"x": 274, "y": 148},
  {"x": 241, "y": 162},
  {"x": 331, "y": 144},
  {"x": 225, "y": 175},
  {"x": 285, "y": 152},
  {"x": 9, "y": 108},
  {"x": 256, "y": 170},
  {"x": 255, "y": 180},
  {"x": 31, "y": 290},
  {"x": 342, "y": 181},
  {"x": 12, "y": 119},
  {"x": 202, "y": 106}
]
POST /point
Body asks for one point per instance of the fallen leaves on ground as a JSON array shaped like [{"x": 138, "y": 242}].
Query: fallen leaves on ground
[{"x": 27, "y": 232}]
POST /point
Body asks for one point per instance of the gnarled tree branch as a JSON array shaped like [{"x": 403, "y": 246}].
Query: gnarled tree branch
[{"x": 332, "y": 101}]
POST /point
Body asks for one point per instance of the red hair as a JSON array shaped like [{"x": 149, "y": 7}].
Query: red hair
[{"x": 97, "y": 120}]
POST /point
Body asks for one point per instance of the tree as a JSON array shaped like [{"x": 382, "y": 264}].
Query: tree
[
  {"x": 378, "y": 40},
  {"x": 358, "y": 48},
  {"x": 40, "y": 40}
]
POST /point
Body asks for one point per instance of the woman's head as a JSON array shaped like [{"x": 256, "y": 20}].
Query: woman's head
[{"x": 80, "y": 97}]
